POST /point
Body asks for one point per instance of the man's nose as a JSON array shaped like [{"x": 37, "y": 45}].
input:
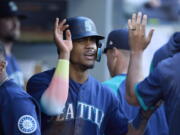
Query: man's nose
[{"x": 90, "y": 44}]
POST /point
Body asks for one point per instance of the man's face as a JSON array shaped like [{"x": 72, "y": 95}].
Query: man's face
[
  {"x": 9, "y": 29},
  {"x": 84, "y": 52}
]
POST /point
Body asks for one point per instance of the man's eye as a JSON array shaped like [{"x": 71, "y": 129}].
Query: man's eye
[{"x": 80, "y": 40}]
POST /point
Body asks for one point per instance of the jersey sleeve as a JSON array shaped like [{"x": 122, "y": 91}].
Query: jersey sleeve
[
  {"x": 150, "y": 91},
  {"x": 37, "y": 85},
  {"x": 20, "y": 118},
  {"x": 117, "y": 123},
  {"x": 161, "y": 54}
]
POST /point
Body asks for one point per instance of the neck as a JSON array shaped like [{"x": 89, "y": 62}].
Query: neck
[
  {"x": 7, "y": 47},
  {"x": 77, "y": 74},
  {"x": 121, "y": 68}
]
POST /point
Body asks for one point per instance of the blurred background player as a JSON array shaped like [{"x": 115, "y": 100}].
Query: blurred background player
[
  {"x": 118, "y": 54},
  {"x": 168, "y": 50},
  {"x": 19, "y": 113},
  {"x": 9, "y": 33}
]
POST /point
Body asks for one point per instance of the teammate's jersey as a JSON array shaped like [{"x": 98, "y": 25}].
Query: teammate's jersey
[
  {"x": 13, "y": 71},
  {"x": 91, "y": 109},
  {"x": 163, "y": 83},
  {"x": 19, "y": 113},
  {"x": 167, "y": 50},
  {"x": 157, "y": 124}
]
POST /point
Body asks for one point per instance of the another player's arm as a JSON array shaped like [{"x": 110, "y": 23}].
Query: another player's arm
[
  {"x": 138, "y": 42},
  {"x": 54, "y": 98},
  {"x": 22, "y": 118},
  {"x": 139, "y": 124}
]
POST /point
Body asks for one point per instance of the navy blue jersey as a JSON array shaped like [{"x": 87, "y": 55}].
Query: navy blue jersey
[
  {"x": 91, "y": 109},
  {"x": 163, "y": 84},
  {"x": 19, "y": 113},
  {"x": 167, "y": 50},
  {"x": 157, "y": 124},
  {"x": 13, "y": 70}
]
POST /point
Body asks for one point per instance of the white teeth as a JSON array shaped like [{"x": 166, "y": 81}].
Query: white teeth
[{"x": 90, "y": 52}]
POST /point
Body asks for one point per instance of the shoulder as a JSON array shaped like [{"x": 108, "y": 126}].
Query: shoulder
[
  {"x": 39, "y": 79},
  {"x": 43, "y": 76},
  {"x": 12, "y": 92},
  {"x": 165, "y": 66},
  {"x": 12, "y": 89},
  {"x": 38, "y": 83},
  {"x": 163, "y": 72}
]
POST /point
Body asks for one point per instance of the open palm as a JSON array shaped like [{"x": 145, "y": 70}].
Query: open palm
[
  {"x": 64, "y": 45},
  {"x": 137, "y": 32}
]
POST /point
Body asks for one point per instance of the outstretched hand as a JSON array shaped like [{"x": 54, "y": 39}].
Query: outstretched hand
[
  {"x": 137, "y": 32},
  {"x": 64, "y": 45}
]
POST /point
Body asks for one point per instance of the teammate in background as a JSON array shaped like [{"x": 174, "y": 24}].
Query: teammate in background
[
  {"x": 167, "y": 50},
  {"x": 118, "y": 54},
  {"x": 161, "y": 84},
  {"x": 90, "y": 108},
  {"x": 19, "y": 113},
  {"x": 9, "y": 33}
]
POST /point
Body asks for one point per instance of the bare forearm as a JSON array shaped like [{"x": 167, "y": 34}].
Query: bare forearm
[
  {"x": 137, "y": 131},
  {"x": 54, "y": 98},
  {"x": 64, "y": 55},
  {"x": 134, "y": 76},
  {"x": 138, "y": 42}
]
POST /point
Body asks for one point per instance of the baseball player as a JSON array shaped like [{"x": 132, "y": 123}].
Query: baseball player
[
  {"x": 161, "y": 84},
  {"x": 167, "y": 50},
  {"x": 19, "y": 113},
  {"x": 9, "y": 33},
  {"x": 72, "y": 101},
  {"x": 118, "y": 53}
]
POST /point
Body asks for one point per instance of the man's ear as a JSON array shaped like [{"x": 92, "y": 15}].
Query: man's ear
[{"x": 115, "y": 52}]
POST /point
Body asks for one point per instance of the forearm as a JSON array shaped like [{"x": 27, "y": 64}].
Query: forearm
[
  {"x": 64, "y": 55},
  {"x": 55, "y": 96},
  {"x": 138, "y": 125},
  {"x": 134, "y": 76},
  {"x": 137, "y": 131}
]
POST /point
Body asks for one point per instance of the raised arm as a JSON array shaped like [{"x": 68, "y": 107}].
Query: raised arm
[
  {"x": 138, "y": 42},
  {"x": 54, "y": 98}
]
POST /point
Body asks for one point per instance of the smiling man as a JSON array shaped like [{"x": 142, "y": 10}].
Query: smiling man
[{"x": 72, "y": 101}]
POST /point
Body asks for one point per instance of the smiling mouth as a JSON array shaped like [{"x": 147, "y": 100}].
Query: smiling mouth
[{"x": 90, "y": 55}]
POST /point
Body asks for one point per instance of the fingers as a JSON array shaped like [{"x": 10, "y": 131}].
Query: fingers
[
  {"x": 138, "y": 21},
  {"x": 134, "y": 20},
  {"x": 68, "y": 35},
  {"x": 56, "y": 24},
  {"x": 150, "y": 34},
  {"x": 139, "y": 16},
  {"x": 59, "y": 27},
  {"x": 130, "y": 24},
  {"x": 137, "y": 30},
  {"x": 144, "y": 23},
  {"x": 62, "y": 26},
  {"x": 62, "y": 23}
]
